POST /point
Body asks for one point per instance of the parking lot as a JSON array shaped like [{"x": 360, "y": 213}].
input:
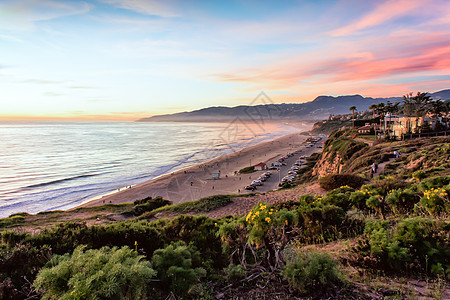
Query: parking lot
[{"x": 272, "y": 182}]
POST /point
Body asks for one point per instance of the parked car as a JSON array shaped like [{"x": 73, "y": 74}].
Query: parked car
[
  {"x": 257, "y": 182},
  {"x": 250, "y": 188}
]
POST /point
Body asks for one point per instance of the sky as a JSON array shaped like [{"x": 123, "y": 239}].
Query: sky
[{"x": 127, "y": 59}]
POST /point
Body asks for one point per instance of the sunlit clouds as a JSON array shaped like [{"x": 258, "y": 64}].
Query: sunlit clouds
[{"x": 117, "y": 59}]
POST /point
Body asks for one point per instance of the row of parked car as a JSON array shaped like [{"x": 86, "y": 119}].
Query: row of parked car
[
  {"x": 313, "y": 141},
  {"x": 258, "y": 182},
  {"x": 293, "y": 171}
]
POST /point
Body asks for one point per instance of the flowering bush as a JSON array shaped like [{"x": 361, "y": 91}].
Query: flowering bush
[
  {"x": 444, "y": 149},
  {"x": 339, "y": 197},
  {"x": 401, "y": 201},
  {"x": 435, "y": 200}
]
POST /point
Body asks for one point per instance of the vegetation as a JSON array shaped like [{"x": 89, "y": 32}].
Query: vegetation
[
  {"x": 312, "y": 270},
  {"x": 202, "y": 205},
  {"x": 178, "y": 267},
  {"x": 247, "y": 170},
  {"x": 148, "y": 204},
  {"x": 336, "y": 246},
  {"x": 106, "y": 273},
  {"x": 334, "y": 181}
]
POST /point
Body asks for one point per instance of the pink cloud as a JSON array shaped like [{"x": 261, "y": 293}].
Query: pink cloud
[
  {"x": 410, "y": 55},
  {"x": 384, "y": 12}
]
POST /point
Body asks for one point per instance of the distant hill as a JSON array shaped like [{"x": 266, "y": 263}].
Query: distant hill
[
  {"x": 443, "y": 95},
  {"x": 318, "y": 109}
]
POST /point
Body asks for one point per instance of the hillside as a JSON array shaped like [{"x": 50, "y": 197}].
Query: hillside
[
  {"x": 354, "y": 237},
  {"x": 319, "y": 108}
]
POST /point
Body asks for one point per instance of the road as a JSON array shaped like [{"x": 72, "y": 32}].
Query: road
[{"x": 272, "y": 182}]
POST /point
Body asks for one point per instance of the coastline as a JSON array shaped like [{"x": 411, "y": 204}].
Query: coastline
[{"x": 197, "y": 181}]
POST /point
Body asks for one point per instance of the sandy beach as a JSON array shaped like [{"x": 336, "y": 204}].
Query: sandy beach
[{"x": 196, "y": 182}]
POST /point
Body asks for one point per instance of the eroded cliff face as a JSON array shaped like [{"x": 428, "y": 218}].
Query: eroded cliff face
[{"x": 330, "y": 162}]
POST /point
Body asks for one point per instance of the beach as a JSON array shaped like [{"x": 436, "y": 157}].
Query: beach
[{"x": 198, "y": 181}]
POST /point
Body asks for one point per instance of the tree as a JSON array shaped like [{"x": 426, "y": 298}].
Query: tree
[
  {"x": 416, "y": 106},
  {"x": 421, "y": 103},
  {"x": 390, "y": 108},
  {"x": 373, "y": 107},
  {"x": 408, "y": 108},
  {"x": 353, "y": 109},
  {"x": 437, "y": 108}
]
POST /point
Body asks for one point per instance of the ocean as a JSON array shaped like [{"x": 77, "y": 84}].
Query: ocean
[{"x": 59, "y": 165}]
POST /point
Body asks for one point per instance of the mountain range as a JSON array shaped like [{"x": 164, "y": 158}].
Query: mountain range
[{"x": 318, "y": 109}]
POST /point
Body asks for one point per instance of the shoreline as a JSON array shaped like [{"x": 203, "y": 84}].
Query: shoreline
[{"x": 194, "y": 182}]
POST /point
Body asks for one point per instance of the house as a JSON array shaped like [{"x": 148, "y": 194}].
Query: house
[
  {"x": 396, "y": 126},
  {"x": 365, "y": 129},
  {"x": 260, "y": 166}
]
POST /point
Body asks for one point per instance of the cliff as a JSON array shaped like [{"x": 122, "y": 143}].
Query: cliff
[{"x": 338, "y": 151}]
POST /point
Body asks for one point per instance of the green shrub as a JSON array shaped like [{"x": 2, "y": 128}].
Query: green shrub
[
  {"x": 312, "y": 270},
  {"x": 358, "y": 199},
  {"x": 19, "y": 265},
  {"x": 335, "y": 181},
  {"x": 107, "y": 273},
  {"x": 419, "y": 175},
  {"x": 13, "y": 221},
  {"x": 326, "y": 223},
  {"x": 436, "y": 200},
  {"x": 402, "y": 201},
  {"x": 178, "y": 267},
  {"x": 339, "y": 197},
  {"x": 235, "y": 272},
  {"x": 201, "y": 205},
  {"x": 434, "y": 182},
  {"x": 148, "y": 204},
  {"x": 412, "y": 244},
  {"x": 247, "y": 170},
  {"x": 375, "y": 202}
]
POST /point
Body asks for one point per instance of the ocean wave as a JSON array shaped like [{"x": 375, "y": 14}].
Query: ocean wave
[{"x": 58, "y": 181}]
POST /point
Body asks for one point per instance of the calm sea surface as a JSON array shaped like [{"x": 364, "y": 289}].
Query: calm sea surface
[{"x": 51, "y": 165}]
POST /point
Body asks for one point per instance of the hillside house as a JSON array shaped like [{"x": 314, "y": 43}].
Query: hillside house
[{"x": 396, "y": 126}]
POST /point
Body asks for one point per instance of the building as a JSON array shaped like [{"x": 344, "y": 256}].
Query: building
[
  {"x": 365, "y": 129},
  {"x": 397, "y": 126},
  {"x": 260, "y": 166}
]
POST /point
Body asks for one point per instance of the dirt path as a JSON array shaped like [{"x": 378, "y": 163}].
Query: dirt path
[{"x": 380, "y": 169}]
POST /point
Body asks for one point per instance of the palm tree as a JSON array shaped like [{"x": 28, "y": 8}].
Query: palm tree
[
  {"x": 437, "y": 108},
  {"x": 373, "y": 107},
  {"x": 353, "y": 108},
  {"x": 408, "y": 109},
  {"x": 381, "y": 111}
]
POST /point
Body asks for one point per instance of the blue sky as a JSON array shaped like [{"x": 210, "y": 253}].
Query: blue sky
[{"x": 125, "y": 59}]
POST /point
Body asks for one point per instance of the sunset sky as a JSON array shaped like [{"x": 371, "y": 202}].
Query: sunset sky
[{"x": 125, "y": 59}]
